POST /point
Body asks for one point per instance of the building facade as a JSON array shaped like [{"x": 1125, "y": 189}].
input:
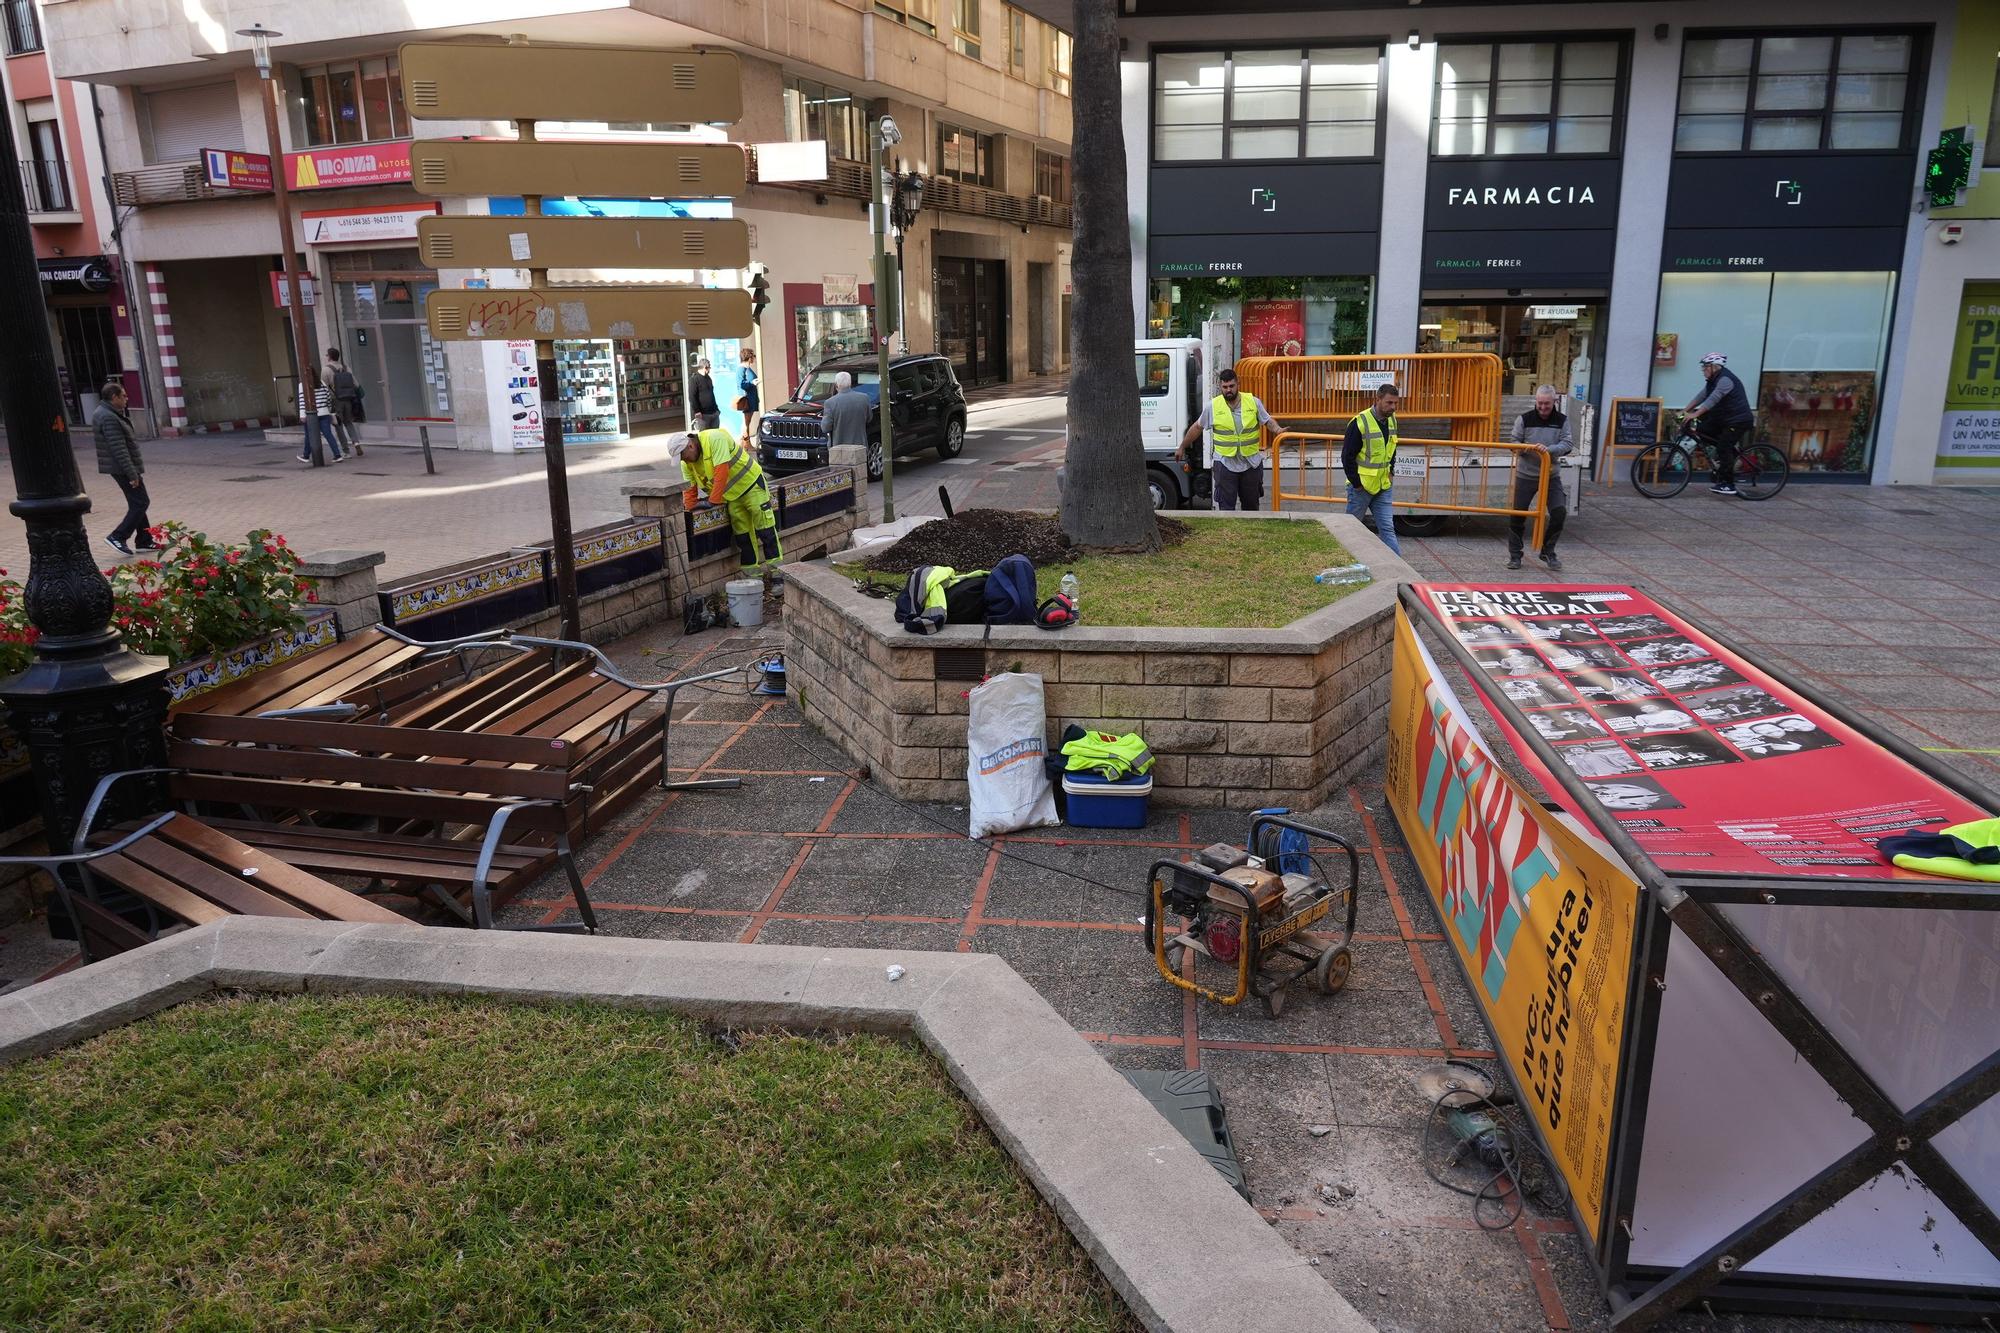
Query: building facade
[
  {"x": 62, "y": 181},
  {"x": 979, "y": 90},
  {"x": 1598, "y": 194}
]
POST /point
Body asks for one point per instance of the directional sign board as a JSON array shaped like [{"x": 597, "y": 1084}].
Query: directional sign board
[
  {"x": 646, "y": 243},
  {"x": 627, "y": 170},
  {"x": 616, "y": 84},
  {"x": 588, "y": 312}
]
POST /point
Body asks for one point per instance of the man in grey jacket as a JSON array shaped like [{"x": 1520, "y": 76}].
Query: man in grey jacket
[
  {"x": 1546, "y": 428},
  {"x": 118, "y": 458}
]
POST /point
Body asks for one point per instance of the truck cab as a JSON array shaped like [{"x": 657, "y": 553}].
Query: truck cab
[{"x": 1173, "y": 384}]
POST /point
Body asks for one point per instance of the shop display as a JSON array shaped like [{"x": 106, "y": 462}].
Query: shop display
[
  {"x": 649, "y": 380},
  {"x": 1539, "y": 343},
  {"x": 587, "y": 385}
]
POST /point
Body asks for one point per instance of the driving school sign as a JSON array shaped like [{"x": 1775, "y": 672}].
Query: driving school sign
[
  {"x": 359, "y": 164},
  {"x": 1543, "y": 925}
]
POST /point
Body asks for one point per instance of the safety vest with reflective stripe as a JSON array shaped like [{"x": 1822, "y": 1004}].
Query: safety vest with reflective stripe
[
  {"x": 1974, "y": 840},
  {"x": 1233, "y": 439},
  {"x": 1112, "y": 756},
  {"x": 720, "y": 449},
  {"x": 1377, "y": 463}
]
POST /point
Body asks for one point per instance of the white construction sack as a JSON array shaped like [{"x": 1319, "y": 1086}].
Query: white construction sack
[{"x": 1006, "y": 736}]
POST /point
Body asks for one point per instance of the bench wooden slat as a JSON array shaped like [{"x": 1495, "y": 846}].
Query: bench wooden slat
[
  {"x": 234, "y": 892},
  {"x": 319, "y": 766},
  {"x": 315, "y": 894},
  {"x": 448, "y": 709},
  {"x": 285, "y": 838},
  {"x": 157, "y": 889},
  {"x": 289, "y": 795},
  {"x": 299, "y": 682},
  {"x": 369, "y": 739}
]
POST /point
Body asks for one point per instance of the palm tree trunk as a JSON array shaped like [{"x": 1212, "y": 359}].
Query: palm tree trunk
[{"x": 1105, "y": 502}]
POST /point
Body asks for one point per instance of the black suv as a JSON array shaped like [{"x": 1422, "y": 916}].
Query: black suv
[{"x": 927, "y": 409}]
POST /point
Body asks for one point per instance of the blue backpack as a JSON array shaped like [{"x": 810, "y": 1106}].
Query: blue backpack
[{"x": 1010, "y": 592}]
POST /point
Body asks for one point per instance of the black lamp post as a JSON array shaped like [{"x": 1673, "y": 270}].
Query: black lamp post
[
  {"x": 86, "y": 705},
  {"x": 906, "y": 200}
]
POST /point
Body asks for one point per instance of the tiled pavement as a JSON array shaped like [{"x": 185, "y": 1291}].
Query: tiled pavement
[{"x": 1891, "y": 610}]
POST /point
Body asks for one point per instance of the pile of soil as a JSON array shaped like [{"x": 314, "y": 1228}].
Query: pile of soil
[{"x": 980, "y": 538}]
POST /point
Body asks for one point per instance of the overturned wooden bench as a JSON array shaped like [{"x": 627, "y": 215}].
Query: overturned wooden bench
[{"x": 462, "y": 820}]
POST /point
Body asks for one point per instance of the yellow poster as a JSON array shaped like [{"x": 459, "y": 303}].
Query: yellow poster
[{"x": 1544, "y": 925}]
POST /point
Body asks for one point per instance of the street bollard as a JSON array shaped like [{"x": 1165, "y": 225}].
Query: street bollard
[{"x": 424, "y": 435}]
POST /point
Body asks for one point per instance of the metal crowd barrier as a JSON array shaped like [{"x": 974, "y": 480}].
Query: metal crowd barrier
[
  {"x": 1432, "y": 476},
  {"x": 1461, "y": 389}
]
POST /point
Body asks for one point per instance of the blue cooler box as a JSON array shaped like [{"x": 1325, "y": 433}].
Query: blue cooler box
[{"x": 1099, "y": 802}]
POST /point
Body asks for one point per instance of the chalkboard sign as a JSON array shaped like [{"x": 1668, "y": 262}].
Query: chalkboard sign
[{"x": 1635, "y": 421}]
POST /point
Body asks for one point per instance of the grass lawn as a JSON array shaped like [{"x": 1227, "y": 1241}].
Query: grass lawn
[
  {"x": 1227, "y": 573},
  {"x": 369, "y": 1162}
]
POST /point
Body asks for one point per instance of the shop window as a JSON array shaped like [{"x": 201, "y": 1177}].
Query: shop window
[
  {"x": 1017, "y": 42},
  {"x": 965, "y": 155},
  {"x": 351, "y": 102},
  {"x": 965, "y": 28},
  {"x": 817, "y": 111},
  {"x": 1057, "y": 50},
  {"x": 1509, "y": 99},
  {"x": 918, "y": 14},
  {"x": 1537, "y": 342},
  {"x": 1808, "y": 348},
  {"x": 1265, "y": 105},
  {"x": 1052, "y": 176},
  {"x": 1324, "y": 316},
  {"x": 1795, "y": 93}
]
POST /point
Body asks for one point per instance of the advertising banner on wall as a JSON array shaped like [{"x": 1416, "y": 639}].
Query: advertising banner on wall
[
  {"x": 1970, "y": 436},
  {"x": 1712, "y": 766},
  {"x": 354, "y": 164},
  {"x": 1543, "y": 924},
  {"x": 1274, "y": 328}
]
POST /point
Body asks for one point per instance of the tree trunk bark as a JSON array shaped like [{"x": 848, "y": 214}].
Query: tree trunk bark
[{"x": 1105, "y": 501}]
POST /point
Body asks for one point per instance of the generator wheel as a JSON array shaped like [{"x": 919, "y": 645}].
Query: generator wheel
[{"x": 1333, "y": 969}]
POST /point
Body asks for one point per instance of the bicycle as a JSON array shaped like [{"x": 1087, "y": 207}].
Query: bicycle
[{"x": 1662, "y": 471}]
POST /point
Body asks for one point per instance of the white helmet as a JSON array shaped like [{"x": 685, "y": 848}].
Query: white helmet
[{"x": 1715, "y": 359}]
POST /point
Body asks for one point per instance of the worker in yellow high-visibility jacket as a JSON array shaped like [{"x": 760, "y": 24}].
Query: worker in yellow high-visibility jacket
[{"x": 717, "y": 468}]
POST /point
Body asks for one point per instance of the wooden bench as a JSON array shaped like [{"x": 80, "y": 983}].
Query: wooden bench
[
  {"x": 316, "y": 680},
  {"x": 465, "y": 820},
  {"x": 185, "y": 872}
]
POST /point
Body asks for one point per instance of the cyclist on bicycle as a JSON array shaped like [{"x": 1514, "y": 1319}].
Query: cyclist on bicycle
[{"x": 1728, "y": 409}]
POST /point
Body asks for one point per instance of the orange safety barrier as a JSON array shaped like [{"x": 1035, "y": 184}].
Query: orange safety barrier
[
  {"x": 1432, "y": 476},
  {"x": 1460, "y": 390}
]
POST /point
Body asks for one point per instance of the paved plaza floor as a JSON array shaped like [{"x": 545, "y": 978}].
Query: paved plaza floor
[{"x": 1888, "y": 600}]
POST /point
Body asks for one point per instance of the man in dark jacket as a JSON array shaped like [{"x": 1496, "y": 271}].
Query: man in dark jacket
[
  {"x": 118, "y": 458},
  {"x": 701, "y": 401},
  {"x": 1546, "y": 428},
  {"x": 1725, "y": 404}
]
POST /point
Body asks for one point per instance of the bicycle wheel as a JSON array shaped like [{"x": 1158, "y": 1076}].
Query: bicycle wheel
[
  {"x": 1761, "y": 471},
  {"x": 1661, "y": 471}
]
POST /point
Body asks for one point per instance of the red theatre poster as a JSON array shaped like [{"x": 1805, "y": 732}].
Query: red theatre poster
[
  {"x": 1274, "y": 328},
  {"x": 1712, "y": 766}
]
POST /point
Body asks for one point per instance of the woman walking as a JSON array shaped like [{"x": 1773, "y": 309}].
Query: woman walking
[
  {"x": 319, "y": 417},
  {"x": 750, "y": 400},
  {"x": 118, "y": 458}
]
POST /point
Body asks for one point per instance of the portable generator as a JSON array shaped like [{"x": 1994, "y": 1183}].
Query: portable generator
[{"x": 1265, "y": 910}]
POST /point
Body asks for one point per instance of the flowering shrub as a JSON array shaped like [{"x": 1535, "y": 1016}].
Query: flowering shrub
[
  {"x": 193, "y": 596},
  {"x": 17, "y": 636}
]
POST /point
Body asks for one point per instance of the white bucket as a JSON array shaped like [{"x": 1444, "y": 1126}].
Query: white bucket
[{"x": 746, "y": 602}]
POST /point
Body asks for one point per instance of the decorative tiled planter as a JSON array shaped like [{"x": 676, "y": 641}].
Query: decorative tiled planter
[
  {"x": 615, "y": 554},
  {"x": 198, "y": 675},
  {"x": 468, "y": 598},
  {"x": 1240, "y": 718}
]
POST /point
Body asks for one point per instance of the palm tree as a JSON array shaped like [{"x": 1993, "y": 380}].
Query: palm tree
[{"x": 1105, "y": 501}]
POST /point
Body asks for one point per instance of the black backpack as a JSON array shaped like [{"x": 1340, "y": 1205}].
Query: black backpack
[{"x": 1010, "y": 592}]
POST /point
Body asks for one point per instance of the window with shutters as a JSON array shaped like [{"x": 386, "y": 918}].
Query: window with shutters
[
  {"x": 965, "y": 28},
  {"x": 1052, "y": 176},
  {"x": 1265, "y": 105},
  {"x": 820, "y": 111},
  {"x": 183, "y": 121},
  {"x": 1513, "y": 99},
  {"x": 1797, "y": 92},
  {"x": 352, "y": 101},
  {"x": 965, "y": 155},
  {"x": 1057, "y": 50},
  {"x": 918, "y": 14}
]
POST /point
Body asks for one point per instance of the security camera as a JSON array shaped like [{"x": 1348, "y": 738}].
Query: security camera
[
  {"x": 1951, "y": 234},
  {"x": 891, "y": 136}
]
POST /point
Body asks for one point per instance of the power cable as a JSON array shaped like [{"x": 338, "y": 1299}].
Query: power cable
[{"x": 1506, "y": 1146}]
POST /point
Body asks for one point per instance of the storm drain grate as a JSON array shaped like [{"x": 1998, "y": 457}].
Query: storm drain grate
[{"x": 255, "y": 476}]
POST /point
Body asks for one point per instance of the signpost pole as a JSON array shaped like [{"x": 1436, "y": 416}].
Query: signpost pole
[
  {"x": 302, "y": 351},
  {"x": 878, "y": 223},
  {"x": 560, "y": 531}
]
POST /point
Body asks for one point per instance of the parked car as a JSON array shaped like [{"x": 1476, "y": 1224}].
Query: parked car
[{"x": 926, "y": 406}]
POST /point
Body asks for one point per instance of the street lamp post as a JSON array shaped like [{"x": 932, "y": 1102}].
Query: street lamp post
[
  {"x": 885, "y": 137},
  {"x": 86, "y": 706},
  {"x": 906, "y": 201},
  {"x": 260, "y": 45}
]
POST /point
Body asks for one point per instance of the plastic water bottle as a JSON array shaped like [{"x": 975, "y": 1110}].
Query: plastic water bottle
[
  {"x": 1354, "y": 573},
  {"x": 1069, "y": 588}
]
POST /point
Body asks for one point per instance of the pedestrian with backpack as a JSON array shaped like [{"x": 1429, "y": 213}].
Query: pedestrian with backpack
[{"x": 347, "y": 398}]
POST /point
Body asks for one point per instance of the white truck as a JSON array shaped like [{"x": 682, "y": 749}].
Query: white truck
[{"x": 1177, "y": 376}]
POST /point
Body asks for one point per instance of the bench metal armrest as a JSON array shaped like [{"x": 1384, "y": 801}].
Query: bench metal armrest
[
  {"x": 50, "y": 861},
  {"x": 484, "y": 636},
  {"x": 482, "y": 901},
  {"x": 103, "y": 789},
  {"x": 611, "y": 673}
]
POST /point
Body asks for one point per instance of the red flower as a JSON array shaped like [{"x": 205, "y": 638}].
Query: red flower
[{"x": 234, "y": 556}]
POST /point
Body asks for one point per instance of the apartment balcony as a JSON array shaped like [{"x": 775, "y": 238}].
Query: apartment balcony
[
  {"x": 168, "y": 183},
  {"x": 849, "y": 180},
  {"x": 45, "y": 184}
]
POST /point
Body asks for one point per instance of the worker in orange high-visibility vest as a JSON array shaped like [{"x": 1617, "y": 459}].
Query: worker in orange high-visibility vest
[{"x": 717, "y": 467}]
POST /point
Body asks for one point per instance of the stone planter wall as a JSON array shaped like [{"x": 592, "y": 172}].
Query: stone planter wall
[{"x": 1235, "y": 718}]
